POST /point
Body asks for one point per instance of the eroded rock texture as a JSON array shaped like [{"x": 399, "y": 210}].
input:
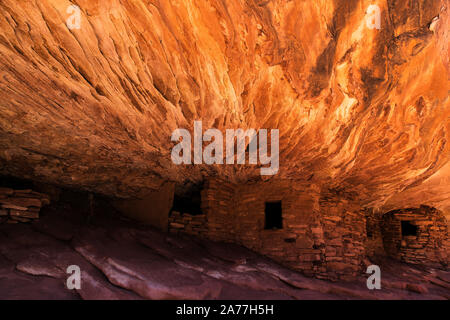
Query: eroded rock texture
[{"x": 358, "y": 109}]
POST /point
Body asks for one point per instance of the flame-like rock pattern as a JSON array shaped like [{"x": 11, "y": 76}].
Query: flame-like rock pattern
[{"x": 361, "y": 110}]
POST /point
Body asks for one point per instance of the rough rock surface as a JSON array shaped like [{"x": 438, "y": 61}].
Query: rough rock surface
[
  {"x": 361, "y": 109},
  {"x": 122, "y": 260}
]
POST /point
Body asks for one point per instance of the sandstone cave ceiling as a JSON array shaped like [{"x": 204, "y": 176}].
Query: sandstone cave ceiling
[{"x": 363, "y": 111}]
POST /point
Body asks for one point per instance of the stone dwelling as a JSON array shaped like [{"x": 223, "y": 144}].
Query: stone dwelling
[
  {"x": 415, "y": 235},
  {"x": 325, "y": 235}
]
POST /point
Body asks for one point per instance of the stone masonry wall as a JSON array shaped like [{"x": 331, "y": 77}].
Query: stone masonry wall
[
  {"x": 430, "y": 243},
  {"x": 298, "y": 244},
  {"x": 216, "y": 198},
  {"x": 195, "y": 225},
  {"x": 321, "y": 235},
  {"x": 374, "y": 236},
  {"x": 20, "y": 205},
  {"x": 344, "y": 228},
  {"x": 324, "y": 234}
]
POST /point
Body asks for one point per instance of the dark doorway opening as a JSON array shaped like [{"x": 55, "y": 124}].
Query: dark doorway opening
[
  {"x": 190, "y": 206},
  {"x": 408, "y": 229},
  {"x": 273, "y": 215},
  {"x": 188, "y": 199}
]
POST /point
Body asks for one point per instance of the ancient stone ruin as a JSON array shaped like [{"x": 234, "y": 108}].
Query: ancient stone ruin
[
  {"x": 225, "y": 149},
  {"x": 417, "y": 235},
  {"x": 20, "y": 205},
  {"x": 325, "y": 235}
]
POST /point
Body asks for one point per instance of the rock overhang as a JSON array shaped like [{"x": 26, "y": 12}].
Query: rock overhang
[{"x": 358, "y": 109}]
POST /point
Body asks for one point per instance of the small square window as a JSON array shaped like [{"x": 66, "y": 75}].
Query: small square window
[
  {"x": 408, "y": 229},
  {"x": 273, "y": 215}
]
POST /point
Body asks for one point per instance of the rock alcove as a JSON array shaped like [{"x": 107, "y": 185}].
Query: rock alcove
[{"x": 87, "y": 114}]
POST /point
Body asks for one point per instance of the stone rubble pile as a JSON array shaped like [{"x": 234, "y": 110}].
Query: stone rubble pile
[{"x": 21, "y": 205}]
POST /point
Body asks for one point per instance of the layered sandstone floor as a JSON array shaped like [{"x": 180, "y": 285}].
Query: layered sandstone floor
[{"x": 122, "y": 260}]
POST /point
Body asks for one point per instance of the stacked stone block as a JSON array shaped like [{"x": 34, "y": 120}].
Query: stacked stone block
[
  {"x": 217, "y": 204},
  {"x": 20, "y": 205},
  {"x": 344, "y": 230},
  {"x": 195, "y": 225}
]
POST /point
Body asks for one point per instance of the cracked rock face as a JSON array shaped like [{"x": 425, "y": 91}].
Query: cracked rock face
[{"x": 365, "y": 110}]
